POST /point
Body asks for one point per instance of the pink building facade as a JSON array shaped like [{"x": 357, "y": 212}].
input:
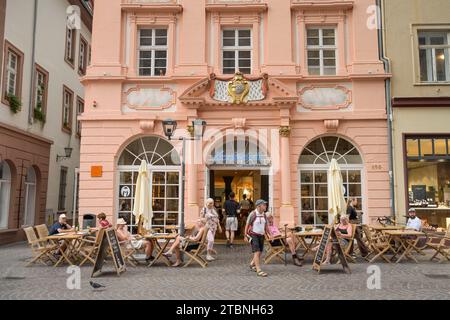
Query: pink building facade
[{"x": 312, "y": 89}]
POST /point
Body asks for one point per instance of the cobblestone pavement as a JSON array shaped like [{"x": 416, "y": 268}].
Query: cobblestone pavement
[{"x": 226, "y": 278}]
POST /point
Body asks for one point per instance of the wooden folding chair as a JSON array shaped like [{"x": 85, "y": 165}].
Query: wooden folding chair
[
  {"x": 276, "y": 251},
  {"x": 41, "y": 250},
  {"x": 89, "y": 248},
  {"x": 441, "y": 247},
  {"x": 128, "y": 252},
  {"x": 350, "y": 244},
  {"x": 378, "y": 245},
  {"x": 195, "y": 254},
  {"x": 42, "y": 231}
]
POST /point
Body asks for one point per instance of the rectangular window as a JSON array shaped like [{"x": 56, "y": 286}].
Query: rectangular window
[
  {"x": 62, "y": 189},
  {"x": 427, "y": 148},
  {"x": 80, "y": 110},
  {"x": 67, "y": 110},
  {"x": 236, "y": 51},
  {"x": 70, "y": 46},
  {"x": 434, "y": 56},
  {"x": 152, "y": 52},
  {"x": 12, "y": 73},
  {"x": 321, "y": 51},
  {"x": 40, "y": 89},
  {"x": 82, "y": 56}
]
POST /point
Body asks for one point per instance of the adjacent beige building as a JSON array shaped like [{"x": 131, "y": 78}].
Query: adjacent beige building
[
  {"x": 43, "y": 54},
  {"x": 417, "y": 46}
]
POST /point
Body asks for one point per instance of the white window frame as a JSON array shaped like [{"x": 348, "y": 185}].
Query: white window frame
[
  {"x": 321, "y": 48},
  {"x": 151, "y": 169},
  {"x": 82, "y": 58},
  {"x": 30, "y": 201},
  {"x": 325, "y": 167},
  {"x": 152, "y": 48},
  {"x": 12, "y": 71},
  {"x": 80, "y": 105},
  {"x": 70, "y": 36},
  {"x": 66, "y": 108},
  {"x": 5, "y": 183},
  {"x": 237, "y": 48},
  {"x": 40, "y": 82},
  {"x": 431, "y": 55}
]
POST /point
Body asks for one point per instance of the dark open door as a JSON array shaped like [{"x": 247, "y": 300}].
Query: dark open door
[
  {"x": 265, "y": 188},
  {"x": 211, "y": 184}
]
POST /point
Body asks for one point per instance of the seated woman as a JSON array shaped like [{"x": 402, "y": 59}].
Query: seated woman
[
  {"x": 124, "y": 235},
  {"x": 291, "y": 242},
  {"x": 104, "y": 224},
  {"x": 197, "y": 235},
  {"x": 344, "y": 232}
]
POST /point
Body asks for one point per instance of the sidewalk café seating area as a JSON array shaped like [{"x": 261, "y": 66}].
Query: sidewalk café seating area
[{"x": 389, "y": 244}]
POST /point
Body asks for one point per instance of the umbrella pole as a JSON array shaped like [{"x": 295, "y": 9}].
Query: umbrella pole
[{"x": 285, "y": 244}]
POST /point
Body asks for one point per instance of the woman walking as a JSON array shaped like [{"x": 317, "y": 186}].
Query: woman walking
[{"x": 212, "y": 223}]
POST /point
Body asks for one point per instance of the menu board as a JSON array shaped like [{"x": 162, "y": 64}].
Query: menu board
[
  {"x": 328, "y": 235},
  {"x": 419, "y": 192},
  {"x": 109, "y": 244}
]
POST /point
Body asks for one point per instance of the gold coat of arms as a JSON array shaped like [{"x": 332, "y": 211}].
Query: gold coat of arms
[{"x": 238, "y": 89}]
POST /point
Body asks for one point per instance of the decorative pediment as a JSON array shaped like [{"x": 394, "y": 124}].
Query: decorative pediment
[{"x": 238, "y": 90}]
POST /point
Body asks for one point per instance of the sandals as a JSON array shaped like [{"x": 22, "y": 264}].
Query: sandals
[
  {"x": 253, "y": 268},
  {"x": 261, "y": 273}
]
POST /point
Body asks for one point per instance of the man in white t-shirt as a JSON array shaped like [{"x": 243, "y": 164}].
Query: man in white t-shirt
[{"x": 414, "y": 222}]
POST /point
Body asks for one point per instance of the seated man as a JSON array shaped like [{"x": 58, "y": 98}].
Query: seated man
[
  {"x": 275, "y": 232},
  {"x": 123, "y": 235},
  {"x": 60, "y": 226},
  {"x": 413, "y": 223},
  {"x": 197, "y": 235}
]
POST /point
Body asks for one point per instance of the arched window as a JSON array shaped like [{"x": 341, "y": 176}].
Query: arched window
[
  {"x": 313, "y": 165},
  {"x": 5, "y": 189},
  {"x": 165, "y": 174},
  {"x": 30, "y": 198}
]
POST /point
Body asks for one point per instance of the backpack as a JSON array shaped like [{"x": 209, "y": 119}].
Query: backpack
[{"x": 252, "y": 218}]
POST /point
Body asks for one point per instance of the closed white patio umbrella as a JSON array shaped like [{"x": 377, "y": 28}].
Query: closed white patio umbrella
[
  {"x": 141, "y": 205},
  {"x": 336, "y": 200}
]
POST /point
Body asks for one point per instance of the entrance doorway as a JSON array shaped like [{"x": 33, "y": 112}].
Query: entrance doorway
[{"x": 251, "y": 184}]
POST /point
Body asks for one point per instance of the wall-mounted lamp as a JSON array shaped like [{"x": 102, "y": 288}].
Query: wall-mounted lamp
[{"x": 68, "y": 154}]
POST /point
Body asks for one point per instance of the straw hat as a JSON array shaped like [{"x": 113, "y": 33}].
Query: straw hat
[{"x": 121, "y": 221}]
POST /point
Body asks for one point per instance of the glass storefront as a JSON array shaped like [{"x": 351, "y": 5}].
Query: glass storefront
[
  {"x": 428, "y": 177},
  {"x": 313, "y": 165},
  {"x": 164, "y": 168}
]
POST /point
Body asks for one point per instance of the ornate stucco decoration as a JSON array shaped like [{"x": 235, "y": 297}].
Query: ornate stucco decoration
[
  {"x": 149, "y": 97},
  {"x": 238, "y": 89},
  {"x": 325, "y": 97},
  {"x": 285, "y": 131}
]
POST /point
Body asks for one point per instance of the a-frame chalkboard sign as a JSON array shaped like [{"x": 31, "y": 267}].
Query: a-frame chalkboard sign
[
  {"x": 109, "y": 244},
  {"x": 329, "y": 234}
]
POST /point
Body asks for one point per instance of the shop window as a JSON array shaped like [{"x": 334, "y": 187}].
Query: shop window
[
  {"x": 163, "y": 165},
  {"x": 5, "y": 189},
  {"x": 313, "y": 165},
  {"x": 428, "y": 176}
]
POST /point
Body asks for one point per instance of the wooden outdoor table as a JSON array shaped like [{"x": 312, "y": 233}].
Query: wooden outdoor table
[
  {"x": 301, "y": 236},
  {"x": 408, "y": 240},
  {"x": 165, "y": 239},
  {"x": 71, "y": 241},
  {"x": 383, "y": 229}
]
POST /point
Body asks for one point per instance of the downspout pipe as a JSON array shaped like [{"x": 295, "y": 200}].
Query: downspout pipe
[
  {"x": 388, "y": 93},
  {"x": 33, "y": 61}
]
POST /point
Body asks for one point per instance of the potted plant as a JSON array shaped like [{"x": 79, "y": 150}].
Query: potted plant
[
  {"x": 38, "y": 114},
  {"x": 14, "y": 102}
]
